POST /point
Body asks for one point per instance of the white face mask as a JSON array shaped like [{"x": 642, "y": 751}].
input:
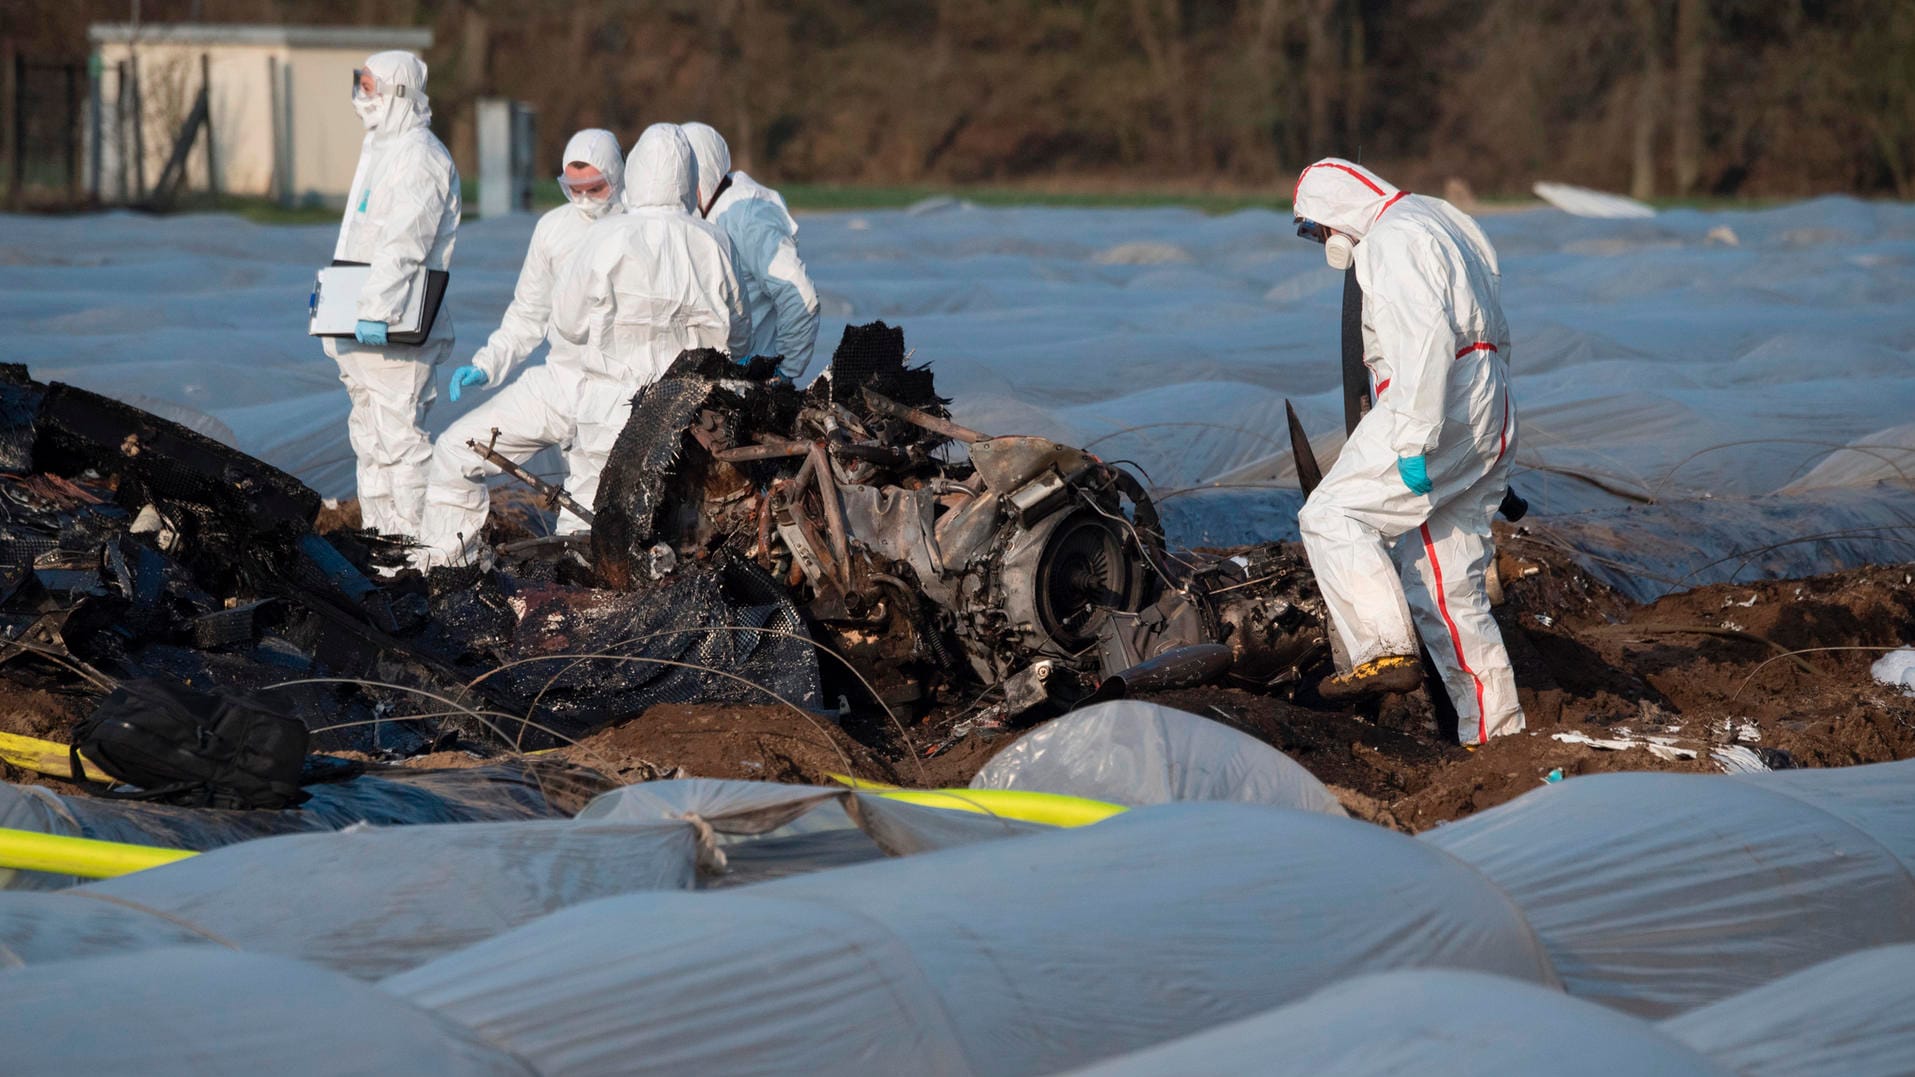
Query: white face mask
[
  {"x": 593, "y": 208},
  {"x": 370, "y": 110},
  {"x": 1340, "y": 251}
]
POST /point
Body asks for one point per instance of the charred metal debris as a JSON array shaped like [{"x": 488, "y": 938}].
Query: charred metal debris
[
  {"x": 934, "y": 557},
  {"x": 751, "y": 543},
  {"x": 133, "y": 547}
]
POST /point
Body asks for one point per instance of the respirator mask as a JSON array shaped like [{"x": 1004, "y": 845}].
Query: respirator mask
[
  {"x": 594, "y": 197},
  {"x": 372, "y": 105},
  {"x": 369, "y": 108},
  {"x": 1339, "y": 250}
]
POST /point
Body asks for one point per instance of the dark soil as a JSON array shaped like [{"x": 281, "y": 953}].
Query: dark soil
[
  {"x": 758, "y": 743},
  {"x": 1696, "y": 669}
]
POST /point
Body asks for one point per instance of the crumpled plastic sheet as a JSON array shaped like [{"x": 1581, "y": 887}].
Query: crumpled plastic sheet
[
  {"x": 1134, "y": 753},
  {"x": 520, "y": 789},
  {"x": 375, "y": 901},
  {"x": 1851, "y": 1017},
  {"x": 365, "y": 901},
  {"x": 1429, "y": 1022},
  {"x": 208, "y": 1012},
  {"x": 1655, "y": 893},
  {"x": 1013, "y": 957},
  {"x": 768, "y": 830}
]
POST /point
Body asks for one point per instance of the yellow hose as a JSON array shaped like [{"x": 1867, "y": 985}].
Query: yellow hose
[
  {"x": 861, "y": 784},
  {"x": 28, "y": 850},
  {"x": 47, "y": 757},
  {"x": 1051, "y": 809}
]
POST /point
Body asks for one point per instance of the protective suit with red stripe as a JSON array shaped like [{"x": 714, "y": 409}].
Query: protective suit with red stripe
[{"x": 1392, "y": 563}]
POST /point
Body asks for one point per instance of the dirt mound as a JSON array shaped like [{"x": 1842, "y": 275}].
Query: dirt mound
[
  {"x": 1780, "y": 663},
  {"x": 1700, "y": 671},
  {"x": 756, "y": 743}
]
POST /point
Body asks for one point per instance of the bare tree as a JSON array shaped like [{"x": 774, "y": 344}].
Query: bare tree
[
  {"x": 1160, "y": 32},
  {"x": 1648, "y": 26},
  {"x": 1692, "y": 17}
]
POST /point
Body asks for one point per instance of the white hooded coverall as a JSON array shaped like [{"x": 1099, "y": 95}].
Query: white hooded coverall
[
  {"x": 402, "y": 212},
  {"x": 639, "y": 288},
  {"x": 764, "y": 245},
  {"x": 1437, "y": 347},
  {"x": 542, "y": 406}
]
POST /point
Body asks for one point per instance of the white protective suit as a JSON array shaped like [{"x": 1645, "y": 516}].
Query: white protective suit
[
  {"x": 402, "y": 212},
  {"x": 1437, "y": 347},
  {"x": 539, "y": 409},
  {"x": 639, "y": 288},
  {"x": 764, "y": 246}
]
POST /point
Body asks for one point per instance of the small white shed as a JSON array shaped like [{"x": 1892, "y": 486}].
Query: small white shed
[{"x": 281, "y": 118}]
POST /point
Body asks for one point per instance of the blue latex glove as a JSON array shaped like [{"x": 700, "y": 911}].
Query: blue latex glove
[
  {"x": 1415, "y": 473},
  {"x": 464, "y": 378},
  {"x": 370, "y": 332}
]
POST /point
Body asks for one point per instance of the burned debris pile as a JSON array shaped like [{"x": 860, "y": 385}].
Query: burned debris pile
[
  {"x": 845, "y": 550},
  {"x": 932, "y": 556},
  {"x": 132, "y": 547}
]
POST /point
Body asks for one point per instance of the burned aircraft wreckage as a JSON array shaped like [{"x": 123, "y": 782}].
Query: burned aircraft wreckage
[
  {"x": 750, "y": 540},
  {"x": 930, "y": 554}
]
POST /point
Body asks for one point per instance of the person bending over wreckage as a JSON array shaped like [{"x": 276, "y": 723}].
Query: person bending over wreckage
[
  {"x": 542, "y": 405},
  {"x": 1432, "y": 458},
  {"x": 640, "y": 287}
]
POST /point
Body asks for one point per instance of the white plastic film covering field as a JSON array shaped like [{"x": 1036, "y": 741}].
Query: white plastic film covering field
[{"x": 1719, "y": 354}]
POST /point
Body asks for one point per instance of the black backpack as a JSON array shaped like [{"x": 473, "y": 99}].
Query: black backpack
[{"x": 186, "y": 747}]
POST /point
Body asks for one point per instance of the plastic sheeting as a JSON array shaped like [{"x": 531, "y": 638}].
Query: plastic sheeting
[
  {"x": 1851, "y": 1017},
  {"x": 1638, "y": 342},
  {"x": 1427, "y": 1022},
  {"x": 372, "y": 902},
  {"x": 701, "y": 983},
  {"x": 760, "y": 810},
  {"x": 1583, "y": 202},
  {"x": 1878, "y": 800},
  {"x": 736, "y": 808},
  {"x": 1648, "y": 551},
  {"x": 1134, "y": 753},
  {"x": 1655, "y": 893},
  {"x": 36, "y": 928},
  {"x": 211, "y": 1013},
  {"x": 523, "y": 789},
  {"x": 1010, "y": 957}
]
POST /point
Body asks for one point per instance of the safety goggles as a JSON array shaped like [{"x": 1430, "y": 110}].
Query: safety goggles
[
  {"x": 380, "y": 87},
  {"x": 1311, "y": 230},
  {"x": 597, "y": 187}
]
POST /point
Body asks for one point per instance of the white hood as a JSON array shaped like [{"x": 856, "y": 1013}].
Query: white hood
[
  {"x": 712, "y": 155},
  {"x": 1342, "y": 194},
  {"x": 403, "y": 113},
  {"x": 660, "y": 171},
  {"x": 598, "y": 147}
]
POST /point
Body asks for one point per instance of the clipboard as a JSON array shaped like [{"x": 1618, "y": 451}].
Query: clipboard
[{"x": 333, "y": 307}]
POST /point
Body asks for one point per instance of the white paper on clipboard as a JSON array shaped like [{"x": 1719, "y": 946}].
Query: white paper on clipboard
[{"x": 333, "y": 309}]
